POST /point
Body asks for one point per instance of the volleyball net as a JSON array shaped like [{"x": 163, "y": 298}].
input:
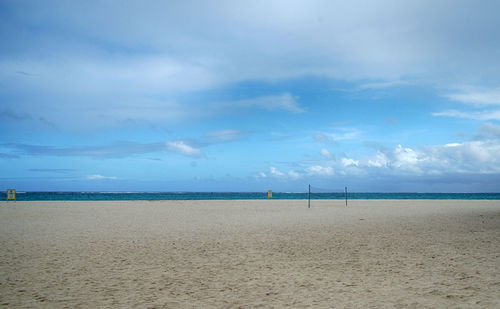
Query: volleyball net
[{"x": 337, "y": 194}]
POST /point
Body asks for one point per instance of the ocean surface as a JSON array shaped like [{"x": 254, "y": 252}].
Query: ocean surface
[{"x": 123, "y": 196}]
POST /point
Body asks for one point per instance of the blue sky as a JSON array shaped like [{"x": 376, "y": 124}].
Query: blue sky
[{"x": 250, "y": 95}]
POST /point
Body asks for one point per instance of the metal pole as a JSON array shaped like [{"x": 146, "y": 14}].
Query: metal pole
[
  {"x": 346, "y": 196},
  {"x": 309, "y": 202}
]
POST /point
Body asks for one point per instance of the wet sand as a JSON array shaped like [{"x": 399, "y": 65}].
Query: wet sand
[{"x": 230, "y": 254}]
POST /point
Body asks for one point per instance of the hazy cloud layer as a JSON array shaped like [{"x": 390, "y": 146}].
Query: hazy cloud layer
[{"x": 115, "y": 61}]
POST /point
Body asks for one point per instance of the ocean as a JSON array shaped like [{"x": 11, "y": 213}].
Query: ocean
[{"x": 124, "y": 196}]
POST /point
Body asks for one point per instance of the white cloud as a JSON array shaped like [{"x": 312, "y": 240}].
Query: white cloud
[
  {"x": 320, "y": 170},
  {"x": 275, "y": 172},
  {"x": 349, "y": 162},
  {"x": 405, "y": 156},
  {"x": 325, "y": 153},
  {"x": 477, "y": 156},
  {"x": 471, "y": 157},
  {"x": 182, "y": 148},
  {"x": 380, "y": 160},
  {"x": 466, "y": 157},
  {"x": 261, "y": 175},
  {"x": 293, "y": 175},
  {"x": 399, "y": 159},
  {"x": 99, "y": 177}
]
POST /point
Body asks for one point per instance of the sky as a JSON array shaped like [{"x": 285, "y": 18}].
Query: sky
[{"x": 376, "y": 96}]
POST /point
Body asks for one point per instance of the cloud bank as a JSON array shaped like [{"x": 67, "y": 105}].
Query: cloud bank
[
  {"x": 478, "y": 156},
  {"x": 122, "y": 70}
]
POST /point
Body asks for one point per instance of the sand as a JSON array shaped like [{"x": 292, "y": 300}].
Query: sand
[{"x": 232, "y": 254}]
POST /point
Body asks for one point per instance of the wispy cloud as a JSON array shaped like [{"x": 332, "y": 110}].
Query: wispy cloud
[
  {"x": 108, "y": 151},
  {"x": 488, "y": 131},
  {"x": 26, "y": 73},
  {"x": 293, "y": 175},
  {"x": 340, "y": 123},
  {"x": 261, "y": 175},
  {"x": 186, "y": 147},
  {"x": 320, "y": 170},
  {"x": 284, "y": 101},
  {"x": 476, "y": 96},
  {"x": 8, "y": 156},
  {"x": 383, "y": 84},
  {"x": 183, "y": 148},
  {"x": 325, "y": 153},
  {"x": 275, "y": 172},
  {"x": 340, "y": 134},
  {"x": 100, "y": 177},
  {"x": 349, "y": 162},
  {"x": 224, "y": 136},
  {"x": 9, "y": 114},
  {"x": 52, "y": 170},
  {"x": 392, "y": 120},
  {"x": 279, "y": 138},
  {"x": 476, "y": 115},
  {"x": 485, "y": 102}
]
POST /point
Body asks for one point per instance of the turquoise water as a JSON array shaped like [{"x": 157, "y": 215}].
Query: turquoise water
[{"x": 122, "y": 196}]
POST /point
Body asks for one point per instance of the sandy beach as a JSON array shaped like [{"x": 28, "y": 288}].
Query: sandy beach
[{"x": 258, "y": 253}]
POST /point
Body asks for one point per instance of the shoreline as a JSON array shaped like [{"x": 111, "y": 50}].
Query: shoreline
[
  {"x": 220, "y": 196},
  {"x": 3, "y": 202}
]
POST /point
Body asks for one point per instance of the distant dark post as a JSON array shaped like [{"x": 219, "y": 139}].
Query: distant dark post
[
  {"x": 309, "y": 202},
  {"x": 346, "y": 196}
]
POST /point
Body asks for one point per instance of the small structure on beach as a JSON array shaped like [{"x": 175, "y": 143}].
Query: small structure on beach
[{"x": 11, "y": 195}]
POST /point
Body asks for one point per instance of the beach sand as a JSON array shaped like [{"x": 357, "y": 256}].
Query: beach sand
[{"x": 259, "y": 253}]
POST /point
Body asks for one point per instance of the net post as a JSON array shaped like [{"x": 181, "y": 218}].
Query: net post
[
  {"x": 346, "y": 196},
  {"x": 309, "y": 199}
]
